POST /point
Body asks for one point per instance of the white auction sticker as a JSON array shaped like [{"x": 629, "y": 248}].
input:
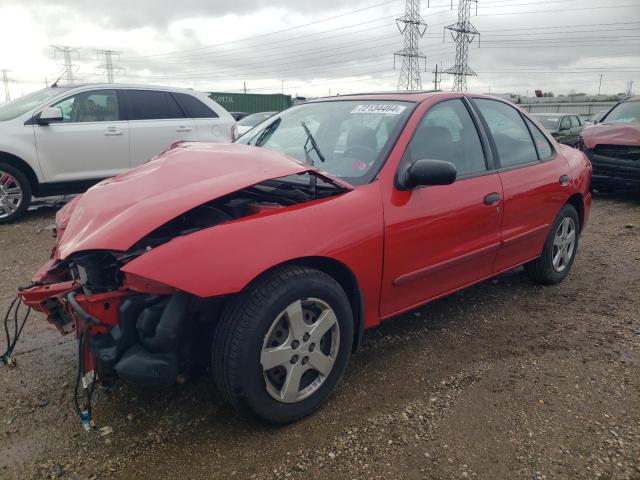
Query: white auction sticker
[{"x": 379, "y": 108}]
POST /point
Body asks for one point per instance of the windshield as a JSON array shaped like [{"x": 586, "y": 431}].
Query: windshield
[
  {"x": 550, "y": 123},
  {"x": 626, "y": 112},
  {"x": 21, "y": 105},
  {"x": 255, "y": 119},
  {"x": 352, "y": 136}
]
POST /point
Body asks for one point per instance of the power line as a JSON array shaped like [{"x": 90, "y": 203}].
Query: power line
[
  {"x": 463, "y": 33},
  {"x": 68, "y": 64},
  {"x": 269, "y": 33},
  {"x": 108, "y": 65}
]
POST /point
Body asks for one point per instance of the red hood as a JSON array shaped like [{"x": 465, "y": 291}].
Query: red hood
[
  {"x": 118, "y": 212},
  {"x": 611, "y": 134}
]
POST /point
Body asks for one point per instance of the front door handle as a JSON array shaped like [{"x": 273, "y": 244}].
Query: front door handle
[
  {"x": 183, "y": 128},
  {"x": 492, "y": 198},
  {"x": 112, "y": 131},
  {"x": 564, "y": 180}
]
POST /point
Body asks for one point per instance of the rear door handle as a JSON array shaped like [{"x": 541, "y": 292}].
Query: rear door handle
[
  {"x": 564, "y": 180},
  {"x": 113, "y": 131},
  {"x": 183, "y": 128},
  {"x": 492, "y": 198}
]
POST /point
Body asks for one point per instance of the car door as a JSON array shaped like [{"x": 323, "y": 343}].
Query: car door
[
  {"x": 564, "y": 130},
  {"x": 208, "y": 124},
  {"x": 576, "y": 128},
  {"x": 441, "y": 238},
  {"x": 534, "y": 181},
  {"x": 155, "y": 122},
  {"x": 90, "y": 142}
]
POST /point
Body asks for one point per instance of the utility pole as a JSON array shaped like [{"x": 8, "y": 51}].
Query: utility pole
[
  {"x": 463, "y": 33},
  {"x": 600, "y": 84},
  {"x": 630, "y": 87},
  {"x": 5, "y": 80},
  {"x": 68, "y": 64},
  {"x": 412, "y": 28},
  {"x": 437, "y": 78},
  {"x": 108, "y": 65},
  {"x": 245, "y": 87}
]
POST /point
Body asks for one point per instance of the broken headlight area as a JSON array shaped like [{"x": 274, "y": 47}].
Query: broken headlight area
[{"x": 146, "y": 337}]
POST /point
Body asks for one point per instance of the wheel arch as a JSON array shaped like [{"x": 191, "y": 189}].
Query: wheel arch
[
  {"x": 342, "y": 274},
  {"x": 577, "y": 201},
  {"x": 23, "y": 166}
]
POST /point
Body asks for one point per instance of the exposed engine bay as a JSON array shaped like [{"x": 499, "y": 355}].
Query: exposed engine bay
[{"x": 132, "y": 328}]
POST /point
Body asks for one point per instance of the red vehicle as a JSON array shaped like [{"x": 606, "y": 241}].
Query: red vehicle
[
  {"x": 249, "y": 257},
  {"x": 613, "y": 146}
]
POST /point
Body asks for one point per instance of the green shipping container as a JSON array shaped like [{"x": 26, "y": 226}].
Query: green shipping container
[{"x": 252, "y": 102}]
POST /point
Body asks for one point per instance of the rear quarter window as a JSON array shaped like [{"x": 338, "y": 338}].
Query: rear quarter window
[{"x": 194, "y": 107}]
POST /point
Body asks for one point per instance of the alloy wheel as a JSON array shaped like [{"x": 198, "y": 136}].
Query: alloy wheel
[
  {"x": 564, "y": 244},
  {"x": 11, "y": 195},
  {"x": 299, "y": 350}
]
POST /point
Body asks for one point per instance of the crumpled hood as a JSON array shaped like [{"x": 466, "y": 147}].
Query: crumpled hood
[
  {"x": 117, "y": 212},
  {"x": 611, "y": 134}
]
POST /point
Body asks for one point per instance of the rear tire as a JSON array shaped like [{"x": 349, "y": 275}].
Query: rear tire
[
  {"x": 559, "y": 249},
  {"x": 15, "y": 193},
  {"x": 282, "y": 345}
]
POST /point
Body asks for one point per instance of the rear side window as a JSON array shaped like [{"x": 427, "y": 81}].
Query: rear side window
[
  {"x": 152, "y": 105},
  {"x": 565, "y": 124},
  {"x": 194, "y": 107},
  {"x": 574, "y": 121},
  {"x": 510, "y": 134},
  {"x": 447, "y": 132},
  {"x": 545, "y": 151}
]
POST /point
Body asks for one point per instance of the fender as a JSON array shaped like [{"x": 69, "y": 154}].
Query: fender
[{"x": 225, "y": 258}]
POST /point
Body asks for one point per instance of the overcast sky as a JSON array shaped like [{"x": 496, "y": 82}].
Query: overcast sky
[{"x": 316, "y": 48}]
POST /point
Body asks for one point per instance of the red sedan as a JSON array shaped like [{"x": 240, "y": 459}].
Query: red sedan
[{"x": 271, "y": 256}]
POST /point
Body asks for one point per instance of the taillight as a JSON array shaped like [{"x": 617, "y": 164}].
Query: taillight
[{"x": 234, "y": 133}]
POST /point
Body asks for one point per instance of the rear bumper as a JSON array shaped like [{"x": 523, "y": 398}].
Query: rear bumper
[{"x": 614, "y": 172}]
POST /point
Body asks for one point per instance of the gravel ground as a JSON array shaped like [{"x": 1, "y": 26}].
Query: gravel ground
[{"x": 502, "y": 380}]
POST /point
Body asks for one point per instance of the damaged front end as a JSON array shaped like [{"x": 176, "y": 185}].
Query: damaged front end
[{"x": 136, "y": 329}]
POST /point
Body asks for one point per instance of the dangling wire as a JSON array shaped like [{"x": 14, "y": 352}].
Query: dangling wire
[
  {"x": 84, "y": 412},
  {"x": 13, "y": 313}
]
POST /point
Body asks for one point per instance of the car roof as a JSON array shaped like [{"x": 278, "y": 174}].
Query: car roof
[
  {"x": 416, "y": 97},
  {"x": 632, "y": 99},
  {"x": 554, "y": 114},
  {"x": 128, "y": 85}
]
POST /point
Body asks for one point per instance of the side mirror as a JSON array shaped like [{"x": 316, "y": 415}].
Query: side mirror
[
  {"x": 427, "y": 172},
  {"x": 48, "y": 115}
]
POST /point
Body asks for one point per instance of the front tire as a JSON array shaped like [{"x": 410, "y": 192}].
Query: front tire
[
  {"x": 559, "y": 249},
  {"x": 282, "y": 345},
  {"x": 15, "y": 193}
]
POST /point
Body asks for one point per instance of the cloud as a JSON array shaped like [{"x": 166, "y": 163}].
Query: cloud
[{"x": 556, "y": 45}]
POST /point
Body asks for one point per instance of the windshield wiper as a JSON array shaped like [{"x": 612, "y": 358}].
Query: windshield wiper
[
  {"x": 307, "y": 155},
  {"x": 261, "y": 136},
  {"x": 314, "y": 145}
]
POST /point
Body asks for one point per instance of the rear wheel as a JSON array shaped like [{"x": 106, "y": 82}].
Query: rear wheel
[
  {"x": 15, "y": 193},
  {"x": 282, "y": 346},
  {"x": 559, "y": 250}
]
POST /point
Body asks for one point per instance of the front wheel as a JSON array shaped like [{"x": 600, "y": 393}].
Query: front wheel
[
  {"x": 15, "y": 193},
  {"x": 282, "y": 345},
  {"x": 559, "y": 250}
]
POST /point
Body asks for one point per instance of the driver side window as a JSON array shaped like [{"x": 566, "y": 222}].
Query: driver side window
[
  {"x": 447, "y": 132},
  {"x": 95, "y": 106}
]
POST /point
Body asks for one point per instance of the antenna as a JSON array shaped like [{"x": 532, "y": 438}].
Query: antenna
[
  {"x": 412, "y": 29},
  {"x": 463, "y": 33},
  {"x": 68, "y": 64}
]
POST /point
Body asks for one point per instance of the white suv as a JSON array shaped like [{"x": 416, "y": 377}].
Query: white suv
[{"x": 62, "y": 140}]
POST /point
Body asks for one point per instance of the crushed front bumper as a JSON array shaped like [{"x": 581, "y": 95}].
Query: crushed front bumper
[{"x": 614, "y": 172}]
